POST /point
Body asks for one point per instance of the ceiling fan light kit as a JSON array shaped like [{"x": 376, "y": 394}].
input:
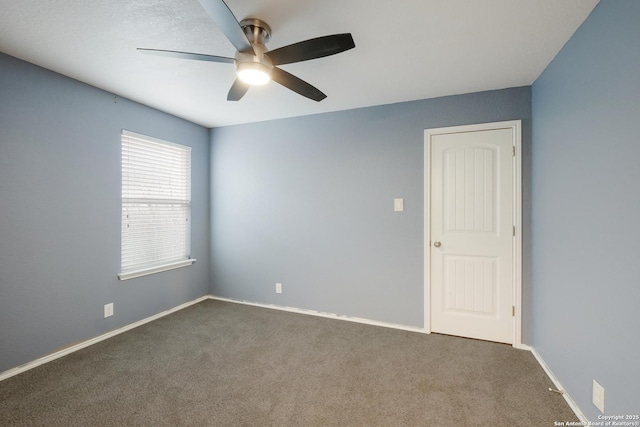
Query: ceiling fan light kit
[
  {"x": 253, "y": 73},
  {"x": 255, "y": 64}
]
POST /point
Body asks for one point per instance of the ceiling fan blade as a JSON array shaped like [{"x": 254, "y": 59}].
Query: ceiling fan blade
[
  {"x": 237, "y": 91},
  {"x": 224, "y": 18},
  {"x": 297, "y": 85},
  {"x": 312, "y": 49},
  {"x": 187, "y": 55}
]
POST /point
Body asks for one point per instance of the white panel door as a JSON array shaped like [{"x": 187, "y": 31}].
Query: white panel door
[{"x": 471, "y": 232}]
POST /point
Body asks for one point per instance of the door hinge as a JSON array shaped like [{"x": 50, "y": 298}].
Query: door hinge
[
  {"x": 514, "y": 150},
  {"x": 513, "y": 311},
  {"x": 514, "y": 231}
]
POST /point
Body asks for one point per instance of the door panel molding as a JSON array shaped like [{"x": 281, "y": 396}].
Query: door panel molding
[{"x": 516, "y": 128}]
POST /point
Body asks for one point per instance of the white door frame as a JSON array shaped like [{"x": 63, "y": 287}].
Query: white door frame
[{"x": 516, "y": 127}]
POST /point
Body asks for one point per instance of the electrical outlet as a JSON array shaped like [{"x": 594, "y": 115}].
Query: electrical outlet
[
  {"x": 108, "y": 310},
  {"x": 598, "y": 396},
  {"x": 398, "y": 205},
  {"x": 278, "y": 288}
]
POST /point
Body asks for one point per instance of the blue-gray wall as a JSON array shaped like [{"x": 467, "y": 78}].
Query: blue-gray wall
[
  {"x": 60, "y": 213},
  {"x": 308, "y": 202},
  {"x": 586, "y": 210}
]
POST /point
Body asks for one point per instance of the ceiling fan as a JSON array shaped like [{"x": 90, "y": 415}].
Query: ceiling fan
[{"x": 255, "y": 64}]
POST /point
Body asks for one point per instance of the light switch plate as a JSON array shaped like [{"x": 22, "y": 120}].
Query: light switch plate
[{"x": 398, "y": 205}]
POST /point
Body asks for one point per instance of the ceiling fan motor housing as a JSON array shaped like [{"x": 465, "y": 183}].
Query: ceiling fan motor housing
[
  {"x": 256, "y": 30},
  {"x": 258, "y": 33}
]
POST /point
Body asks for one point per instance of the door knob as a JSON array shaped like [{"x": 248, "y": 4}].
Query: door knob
[{"x": 436, "y": 244}]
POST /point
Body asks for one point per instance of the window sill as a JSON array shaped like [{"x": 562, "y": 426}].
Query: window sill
[{"x": 153, "y": 270}]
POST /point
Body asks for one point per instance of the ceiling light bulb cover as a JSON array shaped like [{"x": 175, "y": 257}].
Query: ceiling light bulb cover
[{"x": 254, "y": 73}]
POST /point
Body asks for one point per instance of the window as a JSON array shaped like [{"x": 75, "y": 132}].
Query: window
[{"x": 156, "y": 206}]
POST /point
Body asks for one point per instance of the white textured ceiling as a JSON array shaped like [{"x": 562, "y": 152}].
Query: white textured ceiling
[{"x": 405, "y": 49}]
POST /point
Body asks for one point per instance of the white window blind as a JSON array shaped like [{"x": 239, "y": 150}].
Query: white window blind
[{"x": 156, "y": 205}]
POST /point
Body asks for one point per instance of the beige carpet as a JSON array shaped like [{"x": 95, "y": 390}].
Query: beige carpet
[{"x": 224, "y": 364}]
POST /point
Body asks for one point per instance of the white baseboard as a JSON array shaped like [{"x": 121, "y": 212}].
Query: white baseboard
[
  {"x": 572, "y": 404},
  {"x": 322, "y": 314},
  {"x": 58, "y": 354}
]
